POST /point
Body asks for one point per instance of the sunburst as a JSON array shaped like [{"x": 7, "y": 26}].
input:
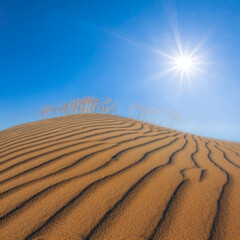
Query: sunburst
[{"x": 185, "y": 65}]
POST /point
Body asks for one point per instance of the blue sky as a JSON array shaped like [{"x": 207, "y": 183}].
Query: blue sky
[{"x": 55, "y": 50}]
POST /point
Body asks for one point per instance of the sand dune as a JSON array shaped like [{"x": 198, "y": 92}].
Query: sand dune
[{"x": 92, "y": 176}]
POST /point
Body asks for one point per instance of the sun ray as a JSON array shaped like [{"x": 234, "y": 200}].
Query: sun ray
[
  {"x": 139, "y": 43},
  {"x": 184, "y": 62}
]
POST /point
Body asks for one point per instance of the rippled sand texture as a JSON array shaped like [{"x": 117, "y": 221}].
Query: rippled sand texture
[{"x": 95, "y": 176}]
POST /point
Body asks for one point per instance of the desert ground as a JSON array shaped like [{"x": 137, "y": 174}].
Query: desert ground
[{"x": 98, "y": 176}]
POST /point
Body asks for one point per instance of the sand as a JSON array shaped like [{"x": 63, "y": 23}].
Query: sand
[{"x": 93, "y": 176}]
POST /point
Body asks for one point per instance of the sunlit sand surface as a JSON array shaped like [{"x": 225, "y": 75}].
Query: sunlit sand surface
[{"x": 94, "y": 176}]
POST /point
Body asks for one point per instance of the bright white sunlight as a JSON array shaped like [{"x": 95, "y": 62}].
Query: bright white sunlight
[{"x": 184, "y": 63}]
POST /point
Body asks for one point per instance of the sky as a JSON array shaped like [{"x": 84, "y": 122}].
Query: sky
[{"x": 54, "y": 50}]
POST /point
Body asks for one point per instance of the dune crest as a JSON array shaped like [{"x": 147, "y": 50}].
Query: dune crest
[{"x": 100, "y": 177}]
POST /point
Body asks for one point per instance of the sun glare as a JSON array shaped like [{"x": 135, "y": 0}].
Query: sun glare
[{"x": 184, "y": 63}]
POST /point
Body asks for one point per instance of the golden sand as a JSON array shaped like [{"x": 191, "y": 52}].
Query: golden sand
[{"x": 93, "y": 176}]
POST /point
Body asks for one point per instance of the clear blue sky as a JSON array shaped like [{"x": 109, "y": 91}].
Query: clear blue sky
[{"x": 53, "y": 50}]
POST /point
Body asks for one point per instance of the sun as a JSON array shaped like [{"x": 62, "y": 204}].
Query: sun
[{"x": 184, "y": 63}]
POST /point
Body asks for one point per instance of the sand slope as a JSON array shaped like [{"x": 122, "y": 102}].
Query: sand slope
[{"x": 97, "y": 176}]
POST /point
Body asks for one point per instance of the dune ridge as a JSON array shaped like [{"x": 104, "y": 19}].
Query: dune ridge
[{"x": 99, "y": 176}]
